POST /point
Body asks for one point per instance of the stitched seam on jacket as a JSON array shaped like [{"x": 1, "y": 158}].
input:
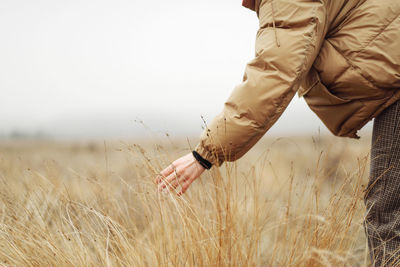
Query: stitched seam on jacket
[
  {"x": 300, "y": 71},
  {"x": 345, "y": 18},
  {"x": 278, "y": 103},
  {"x": 338, "y": 76},
  {"x": 344, "y": 127},
  {"x": 356, "y": 68},
  {"x": 378, "y": 34}
]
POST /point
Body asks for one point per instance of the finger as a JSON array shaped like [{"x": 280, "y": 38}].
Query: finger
[
  {"x": 180, "y": 181},
  {"x": 167, "y": 181},
  {"x": 159, "y": 178},
  {"x": 185, "y": 186},
  {"x": 164, "y": 173},
  {"x": 167, "y": 171}
]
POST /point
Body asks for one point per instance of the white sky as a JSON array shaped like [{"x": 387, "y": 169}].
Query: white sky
[{"x": 90, "y": 67}]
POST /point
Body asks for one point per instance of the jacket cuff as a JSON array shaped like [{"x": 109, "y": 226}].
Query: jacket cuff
[{"x": 208, "y": 155}]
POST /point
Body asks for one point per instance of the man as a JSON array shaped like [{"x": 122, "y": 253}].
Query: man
[{"x": 343, "y": 57}]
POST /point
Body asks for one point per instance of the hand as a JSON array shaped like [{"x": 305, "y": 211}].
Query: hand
[{"x": 182, "y": 172}]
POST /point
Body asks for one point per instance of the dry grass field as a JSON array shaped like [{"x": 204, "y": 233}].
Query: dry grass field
[{"x": 288, "y": 202}]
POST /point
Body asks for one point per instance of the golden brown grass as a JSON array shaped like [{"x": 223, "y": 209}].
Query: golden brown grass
[{"x": 289, "y": 202}]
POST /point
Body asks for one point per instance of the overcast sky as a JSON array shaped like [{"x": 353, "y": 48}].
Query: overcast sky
[{"x": 92, "y": 67}]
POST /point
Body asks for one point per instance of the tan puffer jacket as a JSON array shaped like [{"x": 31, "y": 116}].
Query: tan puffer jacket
[{"x": 342, "y": 56}]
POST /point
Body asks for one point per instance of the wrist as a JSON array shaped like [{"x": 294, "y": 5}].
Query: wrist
[{"x": 203, "y": 162}]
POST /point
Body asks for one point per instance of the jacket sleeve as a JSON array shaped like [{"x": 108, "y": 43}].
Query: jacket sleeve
[{"x": 288, "y": 40}]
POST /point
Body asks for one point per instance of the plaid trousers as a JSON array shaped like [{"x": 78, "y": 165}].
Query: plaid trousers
[{"x": 382, "y": 196}]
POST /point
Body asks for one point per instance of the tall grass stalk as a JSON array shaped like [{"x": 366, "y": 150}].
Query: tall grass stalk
[{"x": 79, "y": 208}]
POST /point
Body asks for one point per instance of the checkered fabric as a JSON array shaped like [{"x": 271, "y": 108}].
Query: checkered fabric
[{"x": 382, "y": 196}]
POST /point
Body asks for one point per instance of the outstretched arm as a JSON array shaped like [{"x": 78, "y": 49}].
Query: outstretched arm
[{"x": 288, "y": 41}]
